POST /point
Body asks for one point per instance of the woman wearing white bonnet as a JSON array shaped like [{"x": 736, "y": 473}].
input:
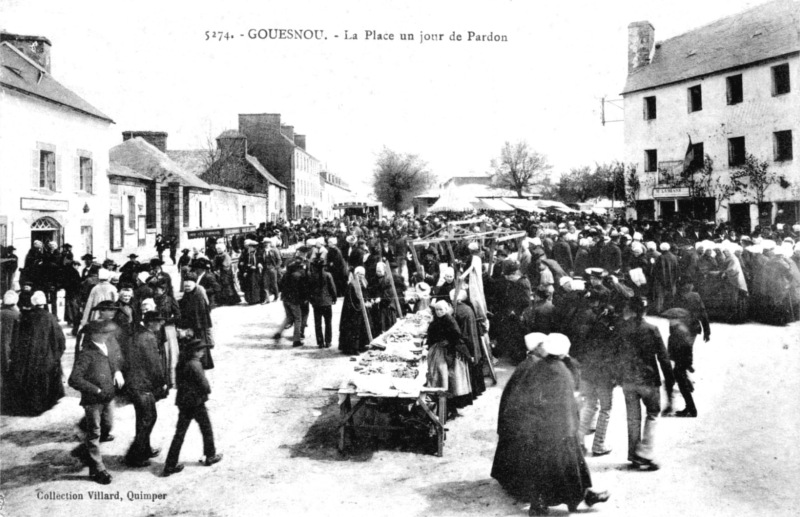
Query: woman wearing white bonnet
[{"x": 538, "y": 456}]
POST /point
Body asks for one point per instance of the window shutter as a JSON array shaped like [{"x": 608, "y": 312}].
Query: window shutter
[
  {"x": 59, "y": 172},
  {"x": 77, "y": 182},
  {"x": 90, "y": 179},
  {"x": 35, "y": 169}
]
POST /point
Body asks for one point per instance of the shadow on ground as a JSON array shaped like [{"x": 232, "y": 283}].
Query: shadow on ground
[
  {"x": 32, "y": 438},
  {"x": 47, "y": 465},
  {"x": 321, "y": 441}
]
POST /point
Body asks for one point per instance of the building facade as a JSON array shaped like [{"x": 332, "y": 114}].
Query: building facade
[
  {"x": 334, "y": 191},
  {"x": 53, "y": 155},
  {"x": 687, "y": 101},
  {"x": 283, "y": 153}
]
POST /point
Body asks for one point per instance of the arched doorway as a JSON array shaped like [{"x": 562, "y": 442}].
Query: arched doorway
[{"x": 46, "y": 229}]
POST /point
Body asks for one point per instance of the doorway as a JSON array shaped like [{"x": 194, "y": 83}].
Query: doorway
[
  {"x": 667, "y": 209},
  {"x": 46, "y": 229}
]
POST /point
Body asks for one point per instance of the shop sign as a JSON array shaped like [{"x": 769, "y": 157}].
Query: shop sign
[
  {"x": 670, "y": 192},
  {"x": 45, "y": 205}
]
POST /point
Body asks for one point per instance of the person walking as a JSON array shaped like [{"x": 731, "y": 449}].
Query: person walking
[
  {"x": 294, "y": 286},
  {"x": 97, "y": 375},
  {"x": 193, "y": 391},
  {"x": 146, "y": 383},
  {"x": 322, "y": 297},
  {"x": 641, "y": 352}
]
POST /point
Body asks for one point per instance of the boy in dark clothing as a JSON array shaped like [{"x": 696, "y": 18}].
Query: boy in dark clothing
[{"x": 193, "y": 390}]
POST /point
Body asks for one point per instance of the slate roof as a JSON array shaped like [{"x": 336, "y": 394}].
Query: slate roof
[
  {"x": 116, "y": 169},
  {"x": 18, "y": 73},
  {"x": 144, "y": 158},
  {"x": 767, "y": 31},
  {"x": 252, "y": 160}
]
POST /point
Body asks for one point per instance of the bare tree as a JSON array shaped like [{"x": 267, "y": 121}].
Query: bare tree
[
  {"x": 398, "y": 178},
  {"x": 519, "y": 168}
]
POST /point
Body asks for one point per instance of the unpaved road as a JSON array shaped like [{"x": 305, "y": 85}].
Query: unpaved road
[{"x": 276, "y": 428}]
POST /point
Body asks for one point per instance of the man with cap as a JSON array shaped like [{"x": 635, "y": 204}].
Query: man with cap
[
  {"x": 184, "y": 260},
  {"x": 196, "y": 315},
  {"x": 641, "y": 353},
  {"x": 665, "y": 278},
  {"x": 193, "y": 391},
  {"x": 207, "y": 280},
  {"x": 97, "y": 375},
  {"x": 130, "y": 269},
  {"x": 88, "y": 260},
  {"x": 145, "y": 384},
  {"x": 9, "y": 262},
  {"x": 157, "y": 274}
]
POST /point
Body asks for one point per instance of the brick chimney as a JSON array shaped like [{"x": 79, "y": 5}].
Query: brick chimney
[
  {"x": 300, "y": 141},
  {"x": 232, "y": 143},
  {"x": 36, "y": 48},
  {"x": 641, "y": 38},
  {"x": 157, "y": 138},
  {"x": 288, "y": 131}
]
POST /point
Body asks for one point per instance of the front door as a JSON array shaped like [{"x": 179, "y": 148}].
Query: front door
[{"x": 667, "y": 210}]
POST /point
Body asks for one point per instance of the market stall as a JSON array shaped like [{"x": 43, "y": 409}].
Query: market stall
[{"x": 395, "y": 367}]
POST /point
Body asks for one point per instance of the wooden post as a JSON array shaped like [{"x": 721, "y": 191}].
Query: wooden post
[
  {"x": 394, "y": 290},
  {"x": 357, "y": 285},
  {"x": 491, "y": 257},
  {"x": 413, "y": 249}
]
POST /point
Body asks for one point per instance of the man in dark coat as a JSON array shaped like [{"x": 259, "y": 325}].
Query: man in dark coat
[
  {"x": 195, "y": 315},
  {"x": 538, "y": 457},
  {"x": 295, "y": 295},
  {"x": 562, "y": 253},
  {"x": 9, "y": 262},
  {"x": 641, "y": 352},
  {"x": 130, "y": 269},
  {"x": 145, "y": 383},
  {"x": 249, "y": 275},
  {"x": 36, "y": 360},
  {"x": 97, "y": 374},
  {"x": 665, "y": 278},
  {"x": 33, "y": 265},
  {"x": 193, "y": 391}
]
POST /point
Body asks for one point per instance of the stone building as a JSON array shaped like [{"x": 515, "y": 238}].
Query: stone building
[
  {"x": 732, "y": 88},
  {"x": 230, "y": 165},
  {"x": 334, "y": 191},
  {"x": 176, "y": 202},
  {"x": 284, "y": 154},
  {"x": 53, "y": 155}
]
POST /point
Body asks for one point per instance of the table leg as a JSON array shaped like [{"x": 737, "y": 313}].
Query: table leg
[
  {"x": 443, "y": 420},
  {"x": 344, "y": 410}
]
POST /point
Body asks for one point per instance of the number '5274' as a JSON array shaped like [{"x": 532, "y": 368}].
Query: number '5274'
[{"x": 218, "y": 35}]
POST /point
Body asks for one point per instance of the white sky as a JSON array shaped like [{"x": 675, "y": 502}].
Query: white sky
[{"x": 145, "y": 64}]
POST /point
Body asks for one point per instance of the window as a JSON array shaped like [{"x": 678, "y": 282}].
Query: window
[
  {"x": 698, "y": 156},
  {"x": 780, "y": 79},
  {"x": 650, "y": 160},
  {"x": 649, "y": 108},
  {"x": 736, "y": 151},
  {"x": 695, "y": 98},
  {"x": 185, "y": 206},
  {"x": 132, "y": 212},
  {"x": 150, "y": 205},
  {"x": 47, "y": 170},
  {"x": 782, "y": 141},
  {"x": 85, "y": 175},
  {"x": 735, "y": 91},
  {"x": 244, "y": 214}
]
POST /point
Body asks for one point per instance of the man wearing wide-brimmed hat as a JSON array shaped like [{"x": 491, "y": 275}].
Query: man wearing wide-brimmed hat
[
  {"x": 97, "y": 374},
  {"x": 193, "y": 391}
]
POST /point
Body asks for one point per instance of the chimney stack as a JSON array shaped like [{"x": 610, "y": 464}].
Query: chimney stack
[
  {"x": 36, "y": 48},
  {"x": 641, "y": 39},
  {"x": 157, "y": 138},
  {"x": 288, "y": 132},
  {"x": 300, "y": 141},
  {"x": 232, "y": 143}
]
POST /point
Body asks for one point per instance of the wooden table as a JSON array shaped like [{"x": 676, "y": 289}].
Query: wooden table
[{"x": 348, "y": 411}]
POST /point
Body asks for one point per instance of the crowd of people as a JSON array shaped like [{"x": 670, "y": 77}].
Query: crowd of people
[{"x": 565, "y": 301}]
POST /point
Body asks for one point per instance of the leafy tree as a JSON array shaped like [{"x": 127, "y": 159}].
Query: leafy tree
[
  {"x": 758, "y": 176},
  {"x": 519, "y": 168},
  {"x": 398, "y": 178}
]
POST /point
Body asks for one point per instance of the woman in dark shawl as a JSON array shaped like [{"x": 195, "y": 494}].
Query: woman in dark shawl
[
  {"x": 467, "y": 323},
  {"x": 36, "y": 360},
  {"x": 538, "y": 456},
  {"x": 353, "y": 336},
  {"x": 384, "y": 313},
  {"x": 249, "y": 275}
]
